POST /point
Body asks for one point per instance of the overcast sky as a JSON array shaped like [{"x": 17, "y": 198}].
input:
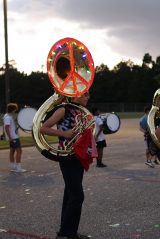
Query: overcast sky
[{"x": 113, "y": 30}]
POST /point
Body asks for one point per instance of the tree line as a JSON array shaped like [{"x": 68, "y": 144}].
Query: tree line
[{"x": 125, "y": 83}]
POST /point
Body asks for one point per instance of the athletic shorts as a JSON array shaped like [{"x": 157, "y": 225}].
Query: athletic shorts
[
  {"x": 101, "y": 144},
  {"x": 15, "y": 143}
]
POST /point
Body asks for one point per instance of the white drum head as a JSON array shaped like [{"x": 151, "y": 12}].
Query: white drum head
[
  {"x": 25, "y": 118},
  {"x": 113, "y": 122}
]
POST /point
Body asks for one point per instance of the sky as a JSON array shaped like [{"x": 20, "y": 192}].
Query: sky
[{"x": 112, "y": 30}]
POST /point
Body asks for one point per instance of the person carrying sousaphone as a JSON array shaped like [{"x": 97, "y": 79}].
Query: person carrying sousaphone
[
  {"x": 152, "y": 152},
  {"x": 71, "y": 167},
  {"x": 71, "y": 71}
]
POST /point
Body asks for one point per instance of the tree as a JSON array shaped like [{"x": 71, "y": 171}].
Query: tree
[{"x": 147, "y": 60}]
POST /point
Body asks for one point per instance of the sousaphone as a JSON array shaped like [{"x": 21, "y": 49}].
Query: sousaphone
[
  {"x": 70, "y": 69},
  {"x": 153, "y": 119}
]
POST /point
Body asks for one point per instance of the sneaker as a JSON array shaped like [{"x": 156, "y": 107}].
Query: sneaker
[
  {"x": 149, "y": 163},
  {"x": 20, "y": 170},
  {"x": 12, "y": 167},
  {"x": 156, "y": 161},
  {"x": 101, "y": 165}
]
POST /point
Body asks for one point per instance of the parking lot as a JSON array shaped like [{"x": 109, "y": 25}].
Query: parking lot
[{"x": 121, "y": 201}]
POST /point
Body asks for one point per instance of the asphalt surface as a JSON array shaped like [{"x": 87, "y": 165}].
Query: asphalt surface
[{"x": 122, "y": 201}]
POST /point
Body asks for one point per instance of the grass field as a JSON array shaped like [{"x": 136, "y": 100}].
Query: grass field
[
  {"x": 130, "y": 115},
  {"x": 26, "y": 141}
]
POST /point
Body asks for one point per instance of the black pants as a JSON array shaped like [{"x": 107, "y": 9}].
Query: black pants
[{"x": 73, "y": 198}]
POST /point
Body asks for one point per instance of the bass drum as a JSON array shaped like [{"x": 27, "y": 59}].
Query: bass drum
[
  {"x": 25, "y": 118},
  {"x": 111, "y": 122}
]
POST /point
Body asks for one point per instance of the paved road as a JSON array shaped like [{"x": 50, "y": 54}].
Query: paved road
[{"x": 122, "y": 201}]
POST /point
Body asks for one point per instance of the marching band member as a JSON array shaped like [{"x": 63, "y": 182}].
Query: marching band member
[
  {"x": 13, "y": 138},
  {"x": 70, "y": 166},
  {"x": 100, "y": 137},
  {"x": 152, "y": 151}
]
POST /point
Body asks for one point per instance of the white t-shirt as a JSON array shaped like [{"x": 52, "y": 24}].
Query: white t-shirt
[
  {"x": 8, "y": 120},
  {"x": 99, "y": 122}
]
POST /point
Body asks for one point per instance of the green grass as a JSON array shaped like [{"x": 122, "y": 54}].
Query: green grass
[
  {"x": 130, "y": 115},
  {"x": 26, "y": 141}
]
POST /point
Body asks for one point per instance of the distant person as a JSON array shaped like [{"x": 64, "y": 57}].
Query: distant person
[
  {"x": 150, "y": 150},
  {"x": 11, "y": 135},
  {"x": 99, "y": 137}
]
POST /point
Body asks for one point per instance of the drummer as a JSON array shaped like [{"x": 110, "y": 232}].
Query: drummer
[
  {"x": 12, "y": 136},
  {"x": 100, "y": 137}
]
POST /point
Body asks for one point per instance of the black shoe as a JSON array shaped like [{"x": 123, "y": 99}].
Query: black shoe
[
  {"x": 101, "y": 165},
  {"x": 80, "y": 236},
  {"x": 59, "y": 237},
  {"x": 149, "y": 163}
]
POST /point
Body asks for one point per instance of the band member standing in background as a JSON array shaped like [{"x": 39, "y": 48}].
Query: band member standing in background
[
  {"x": 100, "y": 137},
  {"x": 71, "y": 168},
  {"x": 151, "y": 148},
  {"x": 11, "y": 134}
]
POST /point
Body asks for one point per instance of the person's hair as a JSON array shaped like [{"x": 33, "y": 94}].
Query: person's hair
[
  {"x": 94, "y": 110},
  {"x": 147, "y": 109},
  {"x": 63, "y": 67},
  {"x": 12, "y": 107}
]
